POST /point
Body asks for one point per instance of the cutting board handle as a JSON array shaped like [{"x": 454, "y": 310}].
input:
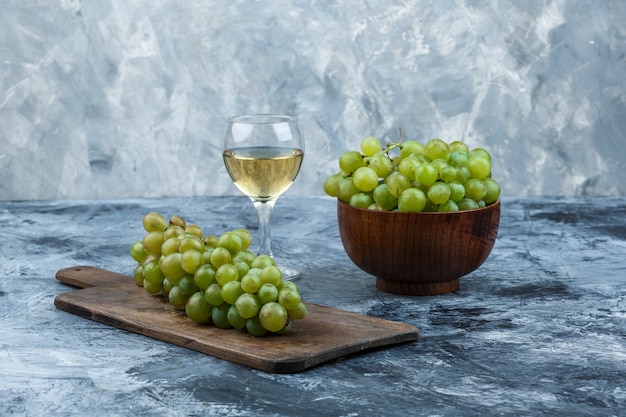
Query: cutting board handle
[{"x": 84, "y": 276}]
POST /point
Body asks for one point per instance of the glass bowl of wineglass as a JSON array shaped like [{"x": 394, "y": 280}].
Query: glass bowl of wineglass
[{"x": 263, "y": 154}]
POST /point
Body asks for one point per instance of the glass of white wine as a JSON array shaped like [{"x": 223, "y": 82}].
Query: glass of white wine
[{"x": 263, "y": 154}]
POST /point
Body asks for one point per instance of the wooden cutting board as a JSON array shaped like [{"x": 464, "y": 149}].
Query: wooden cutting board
[{"x": 325, "y": 334}]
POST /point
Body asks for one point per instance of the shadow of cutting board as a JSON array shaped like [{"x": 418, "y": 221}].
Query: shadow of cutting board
[{"x": 325, "y": 334}]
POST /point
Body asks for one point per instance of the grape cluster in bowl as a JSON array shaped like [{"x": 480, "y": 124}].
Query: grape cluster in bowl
[{"x": 409, "y": 176}]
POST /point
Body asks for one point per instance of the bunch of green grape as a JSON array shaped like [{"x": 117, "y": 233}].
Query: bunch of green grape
[
  {"x": 410, "y": 176},
  {"x": 215, "y": 278}
]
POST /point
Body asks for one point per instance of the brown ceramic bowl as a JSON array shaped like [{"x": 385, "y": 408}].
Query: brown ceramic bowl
[{"x": 418, "y": 253}]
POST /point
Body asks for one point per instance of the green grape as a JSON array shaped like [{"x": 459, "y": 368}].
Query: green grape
[
  {"x": 271, "y": 274},
  {"x": 152, "y": 272},
  {"x": 407, "y": 167},
  {"x": 426, "y": 174},
  {"x": 170, "y": 246},
  {"x": 242, "y": 268},
  {"x": 273, "y": 316},
  {"x": 412, "y": 200},
  {"x": 377, "y": 207},
  {"x": 244, "y": 256},
  {"x": 138, "y": 275},
  {"x": 213, "y": 294},
  {"x": 365, "y": 179},
  {"x": 173, "y": 231},
  {"x": 457, "y": 145},
  {"x": 171, "y": 267},
  {"x": 463, "y": 174},
  {"x": 289, "y": 298},
  {"x": 396, "y": 182},
  {"x": 346, "y": 189},
  {"x": 458, "y": 158},
  {"x": 220, "y": 256},
  {"x": 194, "y": 229},
  {"x": 206, "y": 255},
  {"x": 190, "y": 242},
  {"x": 177, "y": 298},
  {"x": 481, "y": 152},
  {"x": 361, "y": 200},
  {"x": 430, "y": 207},
  {"x": 370, "y": 145},
  {"x": 226, "y": 273},
  {"x": 493, "y": 190},
  {"x": 299, "y": 312},
  {"x": 439, "y": 165},
  {"x": 150, "y": 258},
  {"x": 421, "y": 158},
  {"x": 231, "y": 290},
  {"x": 247, "y": 305},
  {"x": 167, "y": 287},
  {"x": 152, "y": 243},
  {"x": 256, "y": 270},
  {"x": 381, "y": 164},
  {"x": 152, "y": 288},
  {"x": 204, "y": 276},
  {"x": 467, "y": 204},
  {"x": 219, "y": 315},
  {"x": 448, "y": 206},
  {"x": 191, "y": 260},
  {"x": 251, "y": 283},
  {"x": 479, "y": 166},
  {"x": 410, "y": 147},
  {"x": 267, "y": 293},
  {"x": 475, "y": 189},
  {"x": 261, "y": 261},
  {"x": 137, "y": 251},
  {"x": 287, "y": 284},
  {"x": 246, "y": 238},
  {"x": 197, "y": 309},
  {"x": 439, "y": 193},
  {"x": 210, "y": 241},
  {"x": 235, "y": 319},
  {"x": 287, "y": 327},
  {"x": 384, "y": 198},
  {"x": 350, "y": 161},
  {"x": 254, "y": 327},
  {"x": 448, "y": 173},
  {"x": 457, "y": 191},
  {"x": 230, "y": 241},
  {"x": 154, "y": 222},
  {"x": 187, "y": 284},
  {"x": 177, "y": 220},
  {"x": 331, "y": 184},
  {"x": 437, "y": 149}
]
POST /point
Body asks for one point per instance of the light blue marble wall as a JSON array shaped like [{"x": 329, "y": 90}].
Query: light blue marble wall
[{"x": 117, "y": 98}]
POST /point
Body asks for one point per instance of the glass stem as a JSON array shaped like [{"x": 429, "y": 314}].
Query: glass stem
[{"x": 264, "y": 212}]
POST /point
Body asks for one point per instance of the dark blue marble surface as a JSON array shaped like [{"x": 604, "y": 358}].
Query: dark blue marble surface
[{"x": 539, "y": 329}]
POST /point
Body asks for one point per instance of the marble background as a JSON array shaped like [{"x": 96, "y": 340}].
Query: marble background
[{"x": 121, "y": 99}]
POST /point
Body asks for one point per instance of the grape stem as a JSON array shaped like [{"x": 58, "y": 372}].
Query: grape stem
[{"x": 390, "y": 145}]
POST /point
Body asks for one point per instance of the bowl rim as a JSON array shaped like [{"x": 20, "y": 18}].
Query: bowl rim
[{"x": 443, "y": 213}]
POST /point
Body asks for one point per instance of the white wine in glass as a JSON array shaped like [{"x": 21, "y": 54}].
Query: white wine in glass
[{"x": 263, "y": 154}]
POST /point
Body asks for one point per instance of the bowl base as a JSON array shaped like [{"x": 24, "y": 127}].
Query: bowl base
[{"x": 417, "y": 288}]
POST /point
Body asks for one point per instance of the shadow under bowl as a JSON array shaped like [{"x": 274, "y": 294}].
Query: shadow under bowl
[{"x": 418, "y": 253}]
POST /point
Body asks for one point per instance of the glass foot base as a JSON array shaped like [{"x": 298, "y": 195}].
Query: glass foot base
[{"x": 289, "y": 274}]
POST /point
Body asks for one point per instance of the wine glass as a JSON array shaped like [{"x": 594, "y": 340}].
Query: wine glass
[{"x": 263, "y": 154}]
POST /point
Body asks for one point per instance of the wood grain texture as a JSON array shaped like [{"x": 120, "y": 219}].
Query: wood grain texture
[
  {"x": 325, "y": 334},
  {"x": 418, "y": 253}
]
